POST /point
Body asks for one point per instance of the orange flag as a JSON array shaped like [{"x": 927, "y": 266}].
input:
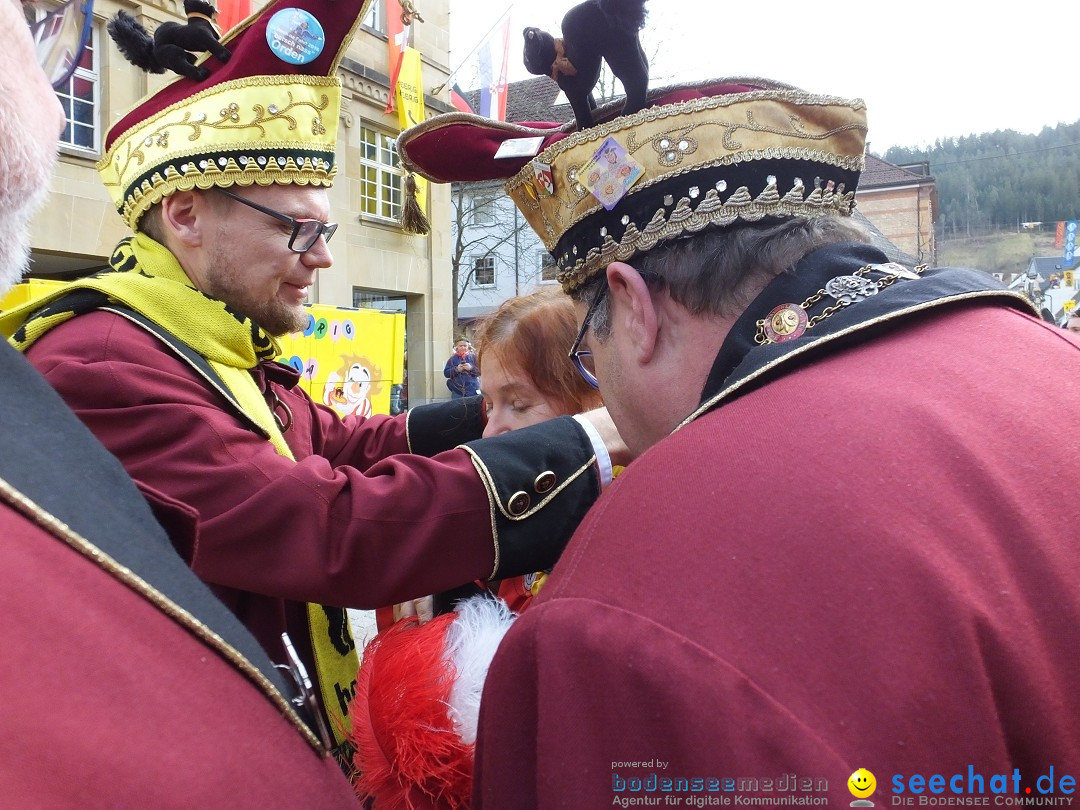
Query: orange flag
[{"x": 397, "y": 37}]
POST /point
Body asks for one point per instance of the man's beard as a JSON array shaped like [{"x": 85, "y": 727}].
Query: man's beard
[
  {"x": 274, "y": 317},
  {"x": 26, "y": 169}
]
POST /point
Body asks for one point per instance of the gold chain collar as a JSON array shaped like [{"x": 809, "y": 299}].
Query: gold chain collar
[{"x": 790, "y": 321}]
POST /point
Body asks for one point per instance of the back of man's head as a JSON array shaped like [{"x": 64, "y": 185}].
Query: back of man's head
[{"x": 718, "y": 273}]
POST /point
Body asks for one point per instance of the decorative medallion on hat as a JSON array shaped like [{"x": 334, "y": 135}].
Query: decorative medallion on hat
[
  {"x": 269, "y": 114},
  {"x": 710, "y": 154}
]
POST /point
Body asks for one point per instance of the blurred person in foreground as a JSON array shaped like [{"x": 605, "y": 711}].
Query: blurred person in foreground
[
  {"x": 830, "y": 551},
  {"x": 289, "y": 512},
  {"x": 125, "y": 681},
  {"x": 418, "y": 692}
]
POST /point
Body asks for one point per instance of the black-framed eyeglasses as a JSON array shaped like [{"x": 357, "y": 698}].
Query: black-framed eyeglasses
[
  {"x": 60, "y": 35},
  {"x": 305, "y": 232},
  {"x": 583, "y": 358}
]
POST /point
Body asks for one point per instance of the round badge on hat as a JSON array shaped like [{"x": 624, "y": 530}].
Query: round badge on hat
[{"x": 295, "y": 36}]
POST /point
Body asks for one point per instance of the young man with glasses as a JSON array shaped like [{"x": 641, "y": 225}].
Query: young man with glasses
[
  {"x": 126, "y": 682},
  {"x": 288, "y": 511},
  {"x": 835, "y": 547},
  {"x": 1073, "y": 323}
]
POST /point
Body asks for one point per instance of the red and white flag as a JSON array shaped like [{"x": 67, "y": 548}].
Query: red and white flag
[{"x": 493, "y": 55}]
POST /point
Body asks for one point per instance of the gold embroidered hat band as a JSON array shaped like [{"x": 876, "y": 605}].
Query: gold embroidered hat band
[
  {"x": 703, "y": 155},
  {"x": 267, "y": 115}
]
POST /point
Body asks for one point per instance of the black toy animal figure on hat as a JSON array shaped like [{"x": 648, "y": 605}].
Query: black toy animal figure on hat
[
  {"x": 173, "y": 45},
  {"x": 593, "y": 31}
]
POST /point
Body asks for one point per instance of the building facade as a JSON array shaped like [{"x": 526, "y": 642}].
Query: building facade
[
  {"x": 495, "y": 254},
  {"x": 375, "y": 263},
  {"x": 902, "y": 203}
]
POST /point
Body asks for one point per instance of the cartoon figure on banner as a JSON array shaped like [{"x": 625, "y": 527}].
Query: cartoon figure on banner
[{"x": 349, "y": 389}]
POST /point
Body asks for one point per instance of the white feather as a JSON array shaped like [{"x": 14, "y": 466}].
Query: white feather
[{"x": 471, "y": 642}]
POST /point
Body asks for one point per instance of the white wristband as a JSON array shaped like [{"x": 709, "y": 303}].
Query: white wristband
[{"x": 603, "y": 459}]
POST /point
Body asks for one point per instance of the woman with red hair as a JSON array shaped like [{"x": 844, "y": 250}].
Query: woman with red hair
[
  {"x": 527, "y": 376},
  {"x": 418, "y": 690}
]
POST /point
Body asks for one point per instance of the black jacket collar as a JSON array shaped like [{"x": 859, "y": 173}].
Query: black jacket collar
[
  {"x": 742, "y": 363},
  {"x": 74, "y": 488}
]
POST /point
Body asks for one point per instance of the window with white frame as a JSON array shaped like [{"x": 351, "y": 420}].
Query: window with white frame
[
  {"x": 81, "y": 99},
  {"x": 380, "y": 175},
  {"x": 483, "y": 212},
  {"x": 376, "y": 16},
  {"x": 484, "y": 272},
  {"x": 546, "y": 266}
]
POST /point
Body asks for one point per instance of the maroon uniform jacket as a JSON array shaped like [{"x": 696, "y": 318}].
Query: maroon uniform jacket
[
  {"x": 859, "y": 554},
  {"x": 126, "y": 683},
  {"x": 372, "y": 511}
]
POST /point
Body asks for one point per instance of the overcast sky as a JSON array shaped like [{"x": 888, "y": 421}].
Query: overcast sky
[{"x": 926, "y": 69}]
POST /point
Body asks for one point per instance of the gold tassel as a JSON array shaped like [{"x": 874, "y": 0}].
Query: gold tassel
[{"x": 412, "y": 215}]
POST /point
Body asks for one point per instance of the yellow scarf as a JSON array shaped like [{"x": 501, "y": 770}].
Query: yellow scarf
[{"x": 145, "y": 277}]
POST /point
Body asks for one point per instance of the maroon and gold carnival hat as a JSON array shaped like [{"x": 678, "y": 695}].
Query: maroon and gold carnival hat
[
  {"x": 700, "y": 155},
  {"x": 267, "y": 115}
]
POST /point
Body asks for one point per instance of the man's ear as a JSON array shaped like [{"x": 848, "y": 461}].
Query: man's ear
[
  {"x": 186, "y": 215},
  {"x": 632, "y": 306}
]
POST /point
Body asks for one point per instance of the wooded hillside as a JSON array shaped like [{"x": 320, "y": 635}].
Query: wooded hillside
[{"x": 997, "y": 181}]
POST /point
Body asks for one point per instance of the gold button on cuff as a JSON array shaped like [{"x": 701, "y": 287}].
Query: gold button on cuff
[
  {"x": 518, "y": 503},
  {"x": 544, "y": 482}
]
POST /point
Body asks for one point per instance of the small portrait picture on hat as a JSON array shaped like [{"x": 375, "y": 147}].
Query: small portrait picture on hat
[{"x": 610, "y": 172}]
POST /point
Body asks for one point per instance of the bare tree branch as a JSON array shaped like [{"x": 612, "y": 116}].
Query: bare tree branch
[{"x": 476, "y": 241}]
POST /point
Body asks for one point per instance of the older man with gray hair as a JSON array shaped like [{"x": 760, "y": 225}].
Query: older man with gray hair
[{"x": 837, "y": 548}]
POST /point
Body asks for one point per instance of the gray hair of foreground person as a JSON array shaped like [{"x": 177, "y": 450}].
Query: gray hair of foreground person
[{"x": 719, "y": 272}]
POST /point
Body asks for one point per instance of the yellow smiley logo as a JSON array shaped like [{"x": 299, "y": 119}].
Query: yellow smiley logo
[{"x": 861, "y": 783}]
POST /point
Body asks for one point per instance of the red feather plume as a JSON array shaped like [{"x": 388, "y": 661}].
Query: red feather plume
[{"x": 408, "y": 755}]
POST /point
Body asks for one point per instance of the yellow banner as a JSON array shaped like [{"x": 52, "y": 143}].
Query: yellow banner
[
  {"x": 410, "y": 106},
  {"x": 349, "y": 359}
]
